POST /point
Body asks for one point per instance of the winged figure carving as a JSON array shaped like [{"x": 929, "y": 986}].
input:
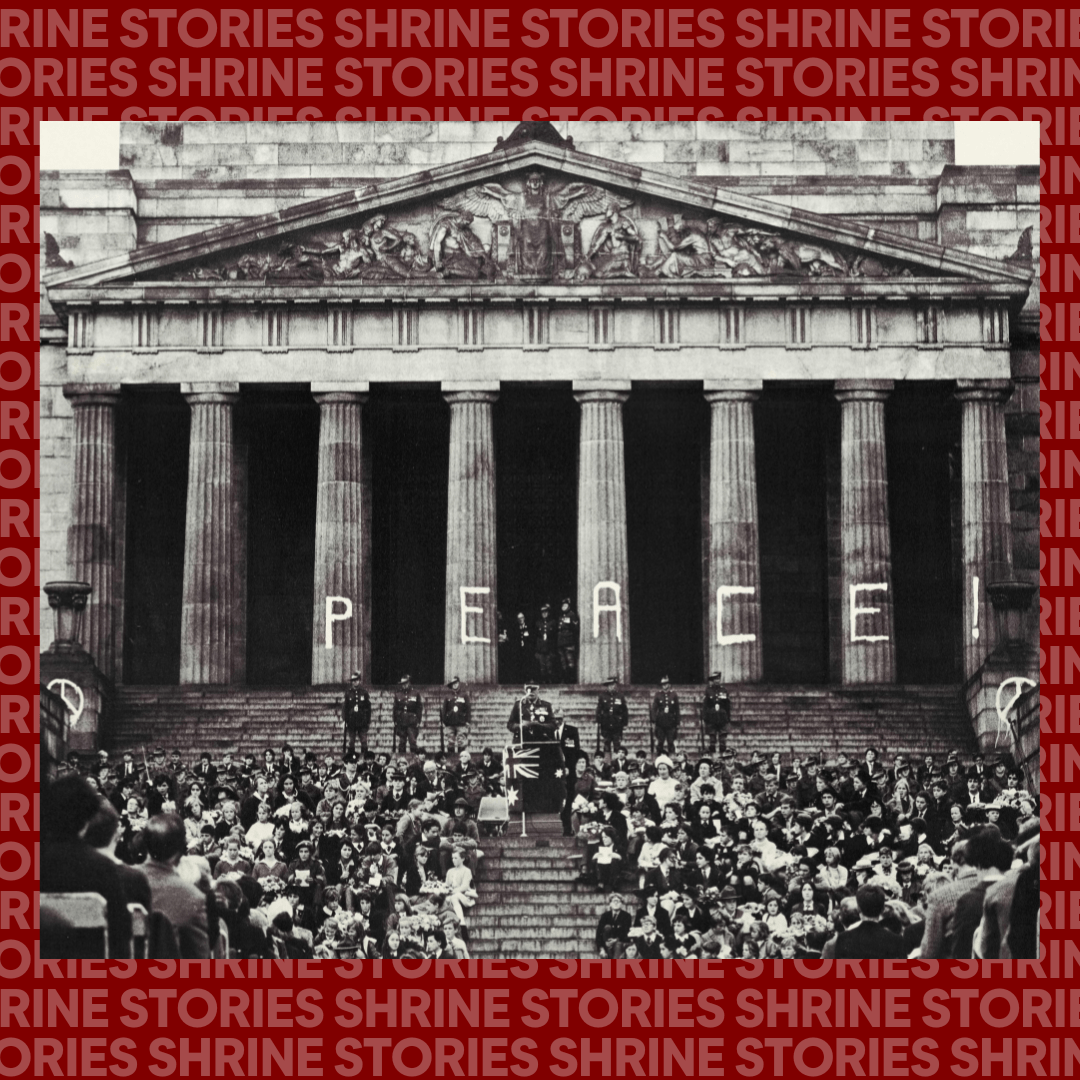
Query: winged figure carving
[{"x": 535, "y": 228}]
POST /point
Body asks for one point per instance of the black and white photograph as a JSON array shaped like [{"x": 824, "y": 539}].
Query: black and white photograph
[{"x": 537, "y": 539}]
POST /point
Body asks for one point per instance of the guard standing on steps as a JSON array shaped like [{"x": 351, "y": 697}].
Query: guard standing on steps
[
  {"x": 408, "y": 713},
  {"x": 665, "y": 717},
  {"x": 456, "y": 714},
  {"x": 569, "y": 626},
  {"x": 612, "y": 716},
  {"x": 716, "y": 714},
  {"x": 545, "y": 642},
  {"x": 356, "y": 714}
]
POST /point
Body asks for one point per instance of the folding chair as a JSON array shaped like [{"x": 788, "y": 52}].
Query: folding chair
[
  {"x": 495, "y": 812},
  {"x": 64, "y": 914},
  {"x": 139, "y": 930}
]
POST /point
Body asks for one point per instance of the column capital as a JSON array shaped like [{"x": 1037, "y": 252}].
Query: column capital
[
  {"x": 594, "y": 390},
  {"x": 92, "y": 393},
  {"x": 339, "y": 397},
  {"x": 211, "y": 393},
  {"x": 465, "y": 393},
  {"x": 863, "y": 389},
  {"x": 723, "y": 390},
  {"x": 984, "y": 389}
]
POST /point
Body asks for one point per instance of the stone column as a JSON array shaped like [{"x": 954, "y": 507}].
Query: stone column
[
  {"x": 869, "y": 644},
  {"x": 211, "y": 592},
  {"x": 734, "y": 555},
  {"x": 986, "y": 529},
  {"x": 472, "y": 632},
  {"x": 603, "y": 573},
  {"x": 91, "y": 538},
  {"x": 337, "y": 639}
]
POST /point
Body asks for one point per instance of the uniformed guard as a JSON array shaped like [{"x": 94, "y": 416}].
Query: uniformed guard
[
  {"x": 530, "y": 710},
  {"x": 408, "y": 712},
  {"x": 612, "y": 716},
  {"x": 716, "y": 714},
  {"x": 665, "y": 717},
  {"x": 355, "y": 714},
  {"x": 567, "y": 637},
  {"x": 545, "y": 642},
  {"x": 456, "y": 714}
]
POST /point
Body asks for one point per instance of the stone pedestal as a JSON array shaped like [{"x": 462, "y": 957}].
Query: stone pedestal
[
  {"x": 69, "y": 671},
  {"x": 986, "y": 531},
  {"x": 603, "y": 575},
  {"x": 472, "y": 632},
  {"x": 211, "y": 593},
  {"x": 337, "y": 639},
  {"x": 869, "y": 642},
  {"x": 734, "y": 554},
  {"x": 92, "y": 534}
]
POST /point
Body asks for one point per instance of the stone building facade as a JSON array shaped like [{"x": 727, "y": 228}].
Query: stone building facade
[{"x": 760, "y": 397}]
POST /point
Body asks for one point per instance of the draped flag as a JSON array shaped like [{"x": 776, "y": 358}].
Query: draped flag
[{"x": 521, "y": 763}]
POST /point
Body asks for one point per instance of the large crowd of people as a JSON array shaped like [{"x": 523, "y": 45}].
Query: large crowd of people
[{"x": 372, "y": 855}]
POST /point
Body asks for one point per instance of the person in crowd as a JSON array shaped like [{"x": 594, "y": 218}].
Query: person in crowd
[{"x": 185, "y": 905}]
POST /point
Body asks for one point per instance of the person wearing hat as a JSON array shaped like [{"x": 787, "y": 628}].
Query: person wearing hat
[
  {"x": 456, "y": 713},
  {"x": 529, "y": 710},
  {"x": 408, "y": 714},
  {"x": 664, "y": 715},
  {"x": 716, "y": 714},
  {"x": 355, "y": 714},
  {"x": 460, "y": 831},
  {"x": 545, "y": 642},
  {"x": 995, "y": 939},
  {"x": 612, "y": 716},
  {"x": 567, "y": 640}
]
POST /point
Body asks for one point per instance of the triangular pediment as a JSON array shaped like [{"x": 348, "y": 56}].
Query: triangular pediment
[{"x": 532, "y": 213}]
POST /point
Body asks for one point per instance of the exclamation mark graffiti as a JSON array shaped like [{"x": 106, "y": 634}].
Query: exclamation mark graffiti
[{"x": 975, "y": 608}]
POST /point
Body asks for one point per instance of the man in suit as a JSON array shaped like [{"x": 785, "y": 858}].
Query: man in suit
[
  {"x": 615, "y": 920},
  {"x": 566, "y": 735},
  {"x": 183, "y": 904},
  {"x": 868, "y": 939}
]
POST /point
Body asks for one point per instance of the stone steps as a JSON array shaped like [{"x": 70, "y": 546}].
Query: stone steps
[{"x": 796, "y": 720}]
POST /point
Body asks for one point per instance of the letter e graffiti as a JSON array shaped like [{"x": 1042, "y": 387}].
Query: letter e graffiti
[
  {"x": 855, "y": 611},
  {"x": 468, "y": 609}
]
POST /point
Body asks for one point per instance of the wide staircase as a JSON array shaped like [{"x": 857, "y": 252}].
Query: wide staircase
[
  {"x": 531, "y": 906},
  {"x": 796, "y": 720}
]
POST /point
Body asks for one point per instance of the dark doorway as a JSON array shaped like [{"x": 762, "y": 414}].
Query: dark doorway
[
  {"x": 408, "y": 431},
  {"x": 790, "y": 426},
  {"x": 155, "y": 432},
  {"x": 665, "y": 430},
  {"x": 536, "y": 441},
  {"x": 922, "y": 431},
  {"x": 281, "y": 432}
]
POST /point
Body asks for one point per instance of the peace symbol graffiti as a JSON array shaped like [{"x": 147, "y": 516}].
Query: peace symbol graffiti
[{"x": 73, "y": 697}]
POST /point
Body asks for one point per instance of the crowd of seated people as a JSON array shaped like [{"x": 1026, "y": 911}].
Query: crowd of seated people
[
  {"x": 295, "y": 856},
  {"x": 821, "y": 857}
]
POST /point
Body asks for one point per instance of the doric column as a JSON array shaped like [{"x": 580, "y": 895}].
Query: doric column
[
  {"x": 734, "y": 555},
  {"x": 986, "y": 530},
  {"x": 211, "y": 593},
  {"x": 91, "y": 538},
  {"x": 337, "y": 640},
  {"x": 472, "y": 631},
  {"x": 603, "y": 574},
  {"x": 869, "y": 649}
]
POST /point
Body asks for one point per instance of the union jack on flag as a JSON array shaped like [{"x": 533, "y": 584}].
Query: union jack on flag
[{"x": 521, "y": 764}]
